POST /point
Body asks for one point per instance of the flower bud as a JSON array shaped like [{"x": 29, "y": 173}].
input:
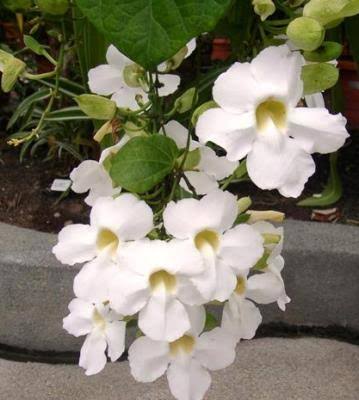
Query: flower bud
[
  {"x": 133, "y": 130},
  {"x": 326, "y": 52},
  {"x": 201, "y": 109},
  {"x": 192, "y": 160},
  {"x": 175, "y": 61},
  {"x": 263, "y": 8},
  {"x": 11, "y": 68},
  {"x": 274, "y": 216},
  {"x": 306, "y": 33},
  {"x": 243, "y": 204},
  {"x": 319, "y": 77},
  {"x": 328, "y": 11},
  {"x": 53, "y": 7},
  {"x": 105, "y": 129},
  {"x": 186, "y": 100},
  {"x": 132, "y": 75},
  {"x": 17, "y": 5},
  {"x": 96, "y": 107}
]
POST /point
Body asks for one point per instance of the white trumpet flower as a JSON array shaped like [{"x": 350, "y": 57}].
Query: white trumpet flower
[
  {"x": 124, "y": 80},
  {"x": 113, "y": 222},
  {"x": 92, "y": 176},
  {"x": 186, "y": 360},
  {"x": 207, "y": 225},
  {"x": 155, "y": 279},
  {"x": 258, "y": 117},
  {"x": 207, "y": 168},
  {"x": 103, "y": 328}
]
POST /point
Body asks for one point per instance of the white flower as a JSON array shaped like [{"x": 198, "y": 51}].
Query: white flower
[
  {"x": 186, "y": 360},
  {"x": 175, "y": 61},
  {"x": 123, "y": 79},
  {"x": 155, "y": 280},
  {"x": 207, "y": 169},
  {"x": 274, "y": 262},
  {"x": 240, "y": 315},
  {"x": 104, "y": 330},
  {"x": 258, "y": 118},
  {"x": 93, "y": 177},
  {"x": 112, "y": 223},
  {"x": 207, "y": 225}
]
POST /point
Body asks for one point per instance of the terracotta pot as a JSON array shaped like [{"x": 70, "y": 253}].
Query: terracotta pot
[{"x": 221, "y": 49}]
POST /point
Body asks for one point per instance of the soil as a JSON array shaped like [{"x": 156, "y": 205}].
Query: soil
[{"x": 26, "y": 199}]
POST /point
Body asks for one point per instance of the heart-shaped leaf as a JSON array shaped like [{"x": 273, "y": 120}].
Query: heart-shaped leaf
[
  {"x": 143, "y": 162},
  {"x": 152, "y": 31}
]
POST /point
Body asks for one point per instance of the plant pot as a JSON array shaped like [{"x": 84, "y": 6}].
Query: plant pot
[
  {"x": 350, "y": 82},
  {"x": 221, "y": 49}
]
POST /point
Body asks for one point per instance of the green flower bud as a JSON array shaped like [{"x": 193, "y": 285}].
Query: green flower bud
[
  {"x": 243, "y": 204},
  {"x": 306, "y": 33},
  {"x": 96, "y": 107},
  {"x": 175, "y": 61},
  {"x": 11, "y": 68},
  {"x": 319, "y": 77},
  {"x": 186, "y": 100},
  {"x": 133, "y": 74},
  {"x": 53, "y": 7},
  {"x": 104, "y": 130},
  {"x": 17, "y": 5},
  {"x": 192, "y": 160},
  {"x": 327, "y": 11},
  {"x": 263, "y": 8},
  {"x": 201, "y": 109},
  {"x": 133, "y": 130},
  {"x": 326, "y": 52},
  {"x": 269, "y": 215}
]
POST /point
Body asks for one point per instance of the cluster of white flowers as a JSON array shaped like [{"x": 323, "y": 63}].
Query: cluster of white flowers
[{"x": 205, "y": 255}]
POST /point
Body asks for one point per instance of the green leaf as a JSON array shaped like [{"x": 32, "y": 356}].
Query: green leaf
[
  {"x": 26, "y": 104},
  {"x": 211, "y": 322},
  {"x": 143, "y": 162},
  {"x": 152, "y": 31},
  {"x": 332, "y": 191},
  {"x": 66, "y": 114},
  {"x": 34, "y": 45},
  {"x": 319, "y": 77}
]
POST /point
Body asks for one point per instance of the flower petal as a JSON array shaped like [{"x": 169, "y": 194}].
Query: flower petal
[
  {"x": 191, "y": 46},
  {"x": 235, "y": 133},
  {"x": 264, "y": 288},
  {"x": 148, "y": 359},
  {"x": 77, "y": 244},
  {"x": 225, "y": 281},
  {"x": 188, "y": 382},
  {"x": 105, "y": 80},
  {"x": 76, "y": 325},
  {"x": 317, "y": 131},
  {"x": 129, "y": 292},
  {"x": 241, "y": 247},
  {"x": 278, "y": 72},
  {"x": 201, "y": 182},
  {"x": 215, "y": 349},
  {"x": 315, "y": 100},
  {"x": 92, "y": 282},
  {"x": 125, "y": 97},
  {"x": 218, "y": 167},
  {"x": 241, "y": 317},
  {"x": 126, "y": 216},
  {"x": 285, "y": 167},
  {"x": 170, "y": 84},
  {"x": 197, "y": 317},
  {"x": 116, "y": 58},
  {"x": 92, "y": 355},
  {"x": 115, "y": 336},
  {"x": 236, "y": 89},
  {"x": 163, "y": 318}
]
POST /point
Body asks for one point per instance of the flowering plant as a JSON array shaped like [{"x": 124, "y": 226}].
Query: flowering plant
[{"x": 166, "y": 242}]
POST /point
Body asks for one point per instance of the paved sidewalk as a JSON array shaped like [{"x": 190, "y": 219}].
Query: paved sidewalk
[{"x": 265, "y": 369}]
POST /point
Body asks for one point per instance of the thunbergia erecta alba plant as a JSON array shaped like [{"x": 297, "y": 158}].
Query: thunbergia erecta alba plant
[{"x": 169, "y": 254}]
